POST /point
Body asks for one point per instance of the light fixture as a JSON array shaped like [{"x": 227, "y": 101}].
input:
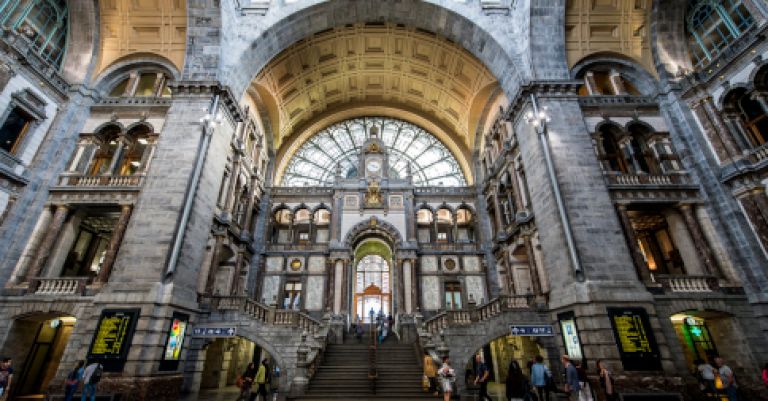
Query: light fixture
[
  {"x": 135, "y": 164},
  {"x": 143, "y": 141},
  {"x": 55, "y": 323}
]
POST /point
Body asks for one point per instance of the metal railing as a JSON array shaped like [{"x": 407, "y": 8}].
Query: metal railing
[
  {"x": 465, "y": 317},
  {"x": 58, "y": 286},
  {"x": 373, "y": 373}
]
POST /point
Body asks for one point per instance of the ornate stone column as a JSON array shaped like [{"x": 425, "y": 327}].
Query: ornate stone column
[
  {"x": 338, "y": 285},
  {"x": 517, "y": 196},
  {"x": 59, "y": 217},
  {"x": 114, "y": 244},
  {"x": 714, "y": 136},
  {"x": 30, "y": 251},
  {"x": 535, "y": 280},
  {"x": 234, "y": 288},
  {"x": 122, "y": 145},
  {"x": 496, "y": 209},
  {"x": 617, "y": 83},
  {"x": 510, "y": 284},
  {"x": 720, "y": 127},
  {"x": 733, "y": 120},
  {"x": 232, "y": 196},
  {"x": 699, "y": 240},
  {"x": 211, "y": 280},
  {"x": 632, "y": 241},
  {"x": 755, "y": 205}
]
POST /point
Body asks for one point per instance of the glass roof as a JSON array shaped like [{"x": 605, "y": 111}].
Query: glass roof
[{"x": 314, "y": 164}]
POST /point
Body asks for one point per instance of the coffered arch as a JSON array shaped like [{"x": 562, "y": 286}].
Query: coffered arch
[{"x": 379, "y": 63}]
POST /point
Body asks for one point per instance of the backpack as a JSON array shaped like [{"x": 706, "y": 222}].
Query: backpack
[
  {"x": 72, "y": 378},
  {"x": 96, "y": 375}
]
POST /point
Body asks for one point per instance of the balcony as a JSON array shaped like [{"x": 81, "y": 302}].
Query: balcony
[
  {"x": 703, "y": 285},
  {"x": 101, "y": 181},
  {"x": 58, "y": 286},
  {"x": 644, "y": 180}
]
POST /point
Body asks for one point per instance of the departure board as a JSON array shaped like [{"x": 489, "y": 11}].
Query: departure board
[
  {"x": 635, "y": 339},
  {"x": 112, "y": 337}
]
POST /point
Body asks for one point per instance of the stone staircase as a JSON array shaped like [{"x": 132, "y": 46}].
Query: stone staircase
[{"x": 343, "y": 374}]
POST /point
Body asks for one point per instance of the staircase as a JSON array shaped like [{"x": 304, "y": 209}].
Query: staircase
[{"x": 343, "y": 373}]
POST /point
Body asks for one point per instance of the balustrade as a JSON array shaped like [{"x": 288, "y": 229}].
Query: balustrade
[
  {"x": 58, "y": 286},
  {"x": 266, "y": 314},
  {"x": 688, "y": 283},
  {"x": 101, "y": 180},
  {"x": 647, "y": 179},
  {"x": 463, "y": 317}
]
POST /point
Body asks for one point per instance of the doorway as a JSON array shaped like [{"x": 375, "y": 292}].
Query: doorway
[{"x": 372, "y": 285}]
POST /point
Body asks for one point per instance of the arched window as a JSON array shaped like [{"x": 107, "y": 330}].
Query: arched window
[
  {"x": 322, "y": 222},
  {"x": 713, "y": 25},
  {"x": 282, "y": 226},
  {"x": 608, "y": 82},
  {"x": 142, "y": 83},
  {"x": 424, "y": 220},
  {"x": 444, "y": 225},
  {"x": 609, "y": 149},
  {"x": 409, "y": 147},
  {"x": 301, "y": 226},
  {"x": 107, "y": 149},
  {"x": 136, "y": 148},
  {"x": 465, "y": 225},
  {"x": 42, "y": 22},
  {"x": 749, "y": 117}
]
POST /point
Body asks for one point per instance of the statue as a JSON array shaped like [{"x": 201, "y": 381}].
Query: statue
[{"x": 373, "y": 195}]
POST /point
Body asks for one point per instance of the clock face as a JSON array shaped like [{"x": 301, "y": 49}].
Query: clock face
[{"x": 373, "y": 166}]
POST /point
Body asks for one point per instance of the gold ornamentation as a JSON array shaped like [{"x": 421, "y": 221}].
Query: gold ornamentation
[
  {"x": 373, "y": 222},
  {"x": 295, "y": 264},
  {"x": 373, "y": 195},
  {"x": 373, "y": 148}
]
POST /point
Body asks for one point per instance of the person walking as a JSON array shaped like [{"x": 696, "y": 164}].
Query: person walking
[
  {"x": 247, "y": 382},
  {"x": 585, "y": 394},
  {"x": 6, "y": 377},
  {"x": 729, "y": 380},
  {"x": 765, "y": 375},
  {"x": 261, "y": 382},
  {"x": 91, "y": 379},
  {"x": 430, "y": 372},
  {"x": 73, "y": 381},
  {"x": 606, "y": 380},
  {"x": 447, "y": 377},
  {"x": 540, "y": 377},
  {"x": 481, "y": 377},
  {"x": 516, "y": 383},
  {"x": 572, "y": 385},
  {"x": 706, "y": 378}
]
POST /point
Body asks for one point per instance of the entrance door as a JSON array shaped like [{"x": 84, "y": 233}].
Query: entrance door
[{"x": 372, "y": 288}]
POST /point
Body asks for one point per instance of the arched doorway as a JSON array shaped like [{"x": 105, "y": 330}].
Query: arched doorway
[{"x": 372, "y": 286}]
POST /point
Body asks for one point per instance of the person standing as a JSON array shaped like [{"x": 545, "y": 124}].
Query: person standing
[
  {"x": 481, "y": 377},
  {"x": 606, "y": 380},
  {"x": 517, "y": 385},
  {"x": 729, "y": 380},
  {"x": 91, "y": 379},
  {"x": 540, "y": 376},
  {"x": 261, "y": 382},
  {"x": 572, "y": 385},
  {"x": 430, "y": 372},
  {"x": 585, "y": 394},
  {"x": 765, "y": 375},
  {"x": 247, "y": 382},
  {"x": 73, "y": 381},
  {"x": 6, "y": 377},
  {"x": 447, "y": 377},
  {"x": 706, "y": 378}
]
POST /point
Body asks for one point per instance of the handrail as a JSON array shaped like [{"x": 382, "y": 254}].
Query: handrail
[
  {"x": 464, "y": 317},
  {"x": 266, "y": 314},
  {"x": 373, "y": 373}
]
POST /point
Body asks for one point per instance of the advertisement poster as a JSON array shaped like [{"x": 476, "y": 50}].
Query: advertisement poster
[
  {"x": 571, "y": 338},
  {"x": 173, "y": 346}
]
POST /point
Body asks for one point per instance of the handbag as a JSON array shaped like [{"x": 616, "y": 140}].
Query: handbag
[
  {"x": 425, "y": 383},
  {"x": 239, "y": 382},
  {"x": 719, "y": 382}
]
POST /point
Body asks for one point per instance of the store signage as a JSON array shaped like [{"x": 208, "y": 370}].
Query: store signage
[
  {"x": 635, "y": 339},
  {"x": 532, "y": 330},
  {"x": 176, "y": 333},
  {"x": 112, "y": 338},
  {"x": 214, "y": 331}
]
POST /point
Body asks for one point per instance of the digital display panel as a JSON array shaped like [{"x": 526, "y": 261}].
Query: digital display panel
[
  {"x": 112, "y": 338},
  {"x": 635, "y": 339},
  {"x": 177, "y": 331}
]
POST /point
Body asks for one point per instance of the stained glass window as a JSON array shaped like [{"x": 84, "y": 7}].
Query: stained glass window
[{"x": 431, "y": 163}]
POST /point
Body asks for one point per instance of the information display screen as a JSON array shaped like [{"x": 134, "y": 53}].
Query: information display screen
[
  {"x": 176, "y": 333},
  {"x": 635, "y": 339},
  {"x": 112, "y": 338}
]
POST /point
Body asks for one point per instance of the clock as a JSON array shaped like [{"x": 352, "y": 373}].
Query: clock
[{"x": 373, "y": 166}]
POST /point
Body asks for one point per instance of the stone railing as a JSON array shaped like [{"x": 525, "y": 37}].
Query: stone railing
[
  {"x": 297, "y": 247},
  {"x": 464, "y": 317},
  {"x": 647, "y": 179},
  {"x": 683, "y": 283},
  {"x": 136, "y": 101},
  {"x": 455, "y": 246},
  {"x": 614, "y": 100},
  {"x": 101, "y": 180},
  {"x": 759, "y": 154},
  {"x": 58, "y": 286},
  {"x": 266, "y": 314}
]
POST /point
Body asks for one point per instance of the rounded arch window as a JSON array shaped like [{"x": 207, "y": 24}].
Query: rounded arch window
[
  {"x": 315, "y": 162},
  {"x": 43, "y": 23},
  {"x": 444, "y": 216},
  {"x": 142, "y": 83},
  {"x": 424, "y": 217},
  {"x": 283, "y": 217},
  {"x": 322, "y": 217},
  {"x": 302, "y": 216},
  {"x": 713, "y": 25},
  {"x": 464, "y": 216}
]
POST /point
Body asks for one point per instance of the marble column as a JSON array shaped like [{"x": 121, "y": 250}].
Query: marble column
[
  {"x": 736, "y": 125},
  {"x": 122, "y": 145},
  {"x": 720, "y": 127},
  {"x": 408, "y": 286},
  {"x": 699, "y": 240},
  {"x": 114, "y": 244},
  {"x": 338, "y": 285},
  {"x": 30, "y": 250},
  {"x": 211, "y": 281},
  {"x": 710, "y": 132},
  {"x": 533, "y": 266},
  {"x": 517, "y": 196},
  {"x": 755, "y": 206},
  {"x": 632, "y": 240},
  {"x": 46, "y": 247},
  {"x": 232, "y": 195},
  {"x": 497, "y": 211}
]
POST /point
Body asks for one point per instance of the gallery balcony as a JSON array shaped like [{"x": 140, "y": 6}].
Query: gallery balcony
[
  {"x": 650, "y": 187},
  {"x": 101, "y": 182},
  {"x": 688, "y": 285},
  {"x": 58, "y": 286}
]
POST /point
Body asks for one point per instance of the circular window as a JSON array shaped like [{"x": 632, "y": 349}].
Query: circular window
[
  {"x": 295, "y": 264},
  {"x": 450, "y": 264}
]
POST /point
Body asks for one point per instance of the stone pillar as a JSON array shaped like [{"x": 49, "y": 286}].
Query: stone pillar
[
  {"x": 717, "y": 121},
  {"x": 589, "y": 82},
  {"x": 755, "y": 205},
  {"x": 234, "y": 288},
  {"x": 338, "y": 285},
  {"x": 617, "y": 83},
  {"x": 76, "y": 159},
  {"x": 637, "y": 257},
  {"x": 497, "y": 210},
  {"x": 517, "y": 196},
  {"x": 30, "y": 251},
  {"x": 232, "y": 195},
  {"x": 510, "y": 287},
  {"x": 46, "y": 247},
  {"x": 535, "y": 280},
  {"x": 410, "y": 217},
  {"x": 625, "y": 145},
  {"x": 146, "y": 159},
  {"x": 113, "y": 164},
  {"x": 408, "y": 286},
  {"x": 114, "y": 244},
  {"x": 733, "y": 120},
  {"x": 247, "y": 222},
  {"x": 338, "y": 208},
  {"x": 211, "y": 281},
  {"x": 699, "y": 240},
  {"x": 762, "y": 98}
]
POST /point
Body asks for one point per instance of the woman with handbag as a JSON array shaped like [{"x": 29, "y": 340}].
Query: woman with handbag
[
  {"x": 447, "y": 377},
  {"x": 246, "y": 382},
  {"x": 430, "y": 374},
  {"x": 73, "y": 381}
]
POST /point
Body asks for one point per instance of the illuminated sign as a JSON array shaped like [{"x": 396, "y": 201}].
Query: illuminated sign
[
  {"x": 112, "y": 338},
  {"x": 571, "y": 338},
  {"x": 531, "y": 330},
  {"x": 176, "y": 333},
  {"x": 635, "y": 339}
]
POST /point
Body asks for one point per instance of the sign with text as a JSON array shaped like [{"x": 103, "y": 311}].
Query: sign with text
[
  {"x": 571, "y": 338},
  {"x": 214, "y": 331},
  {"x": 112, "y": 338},
  {"x": 635, "y": 339},
  {"x": 533, "y": 330}
]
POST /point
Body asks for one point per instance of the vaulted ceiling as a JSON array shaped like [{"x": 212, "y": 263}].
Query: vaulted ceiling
[
  {"x": 143, "y": 26},
  {"x": 376, "y": 65},
  {"x": 618, "y": 26}
]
